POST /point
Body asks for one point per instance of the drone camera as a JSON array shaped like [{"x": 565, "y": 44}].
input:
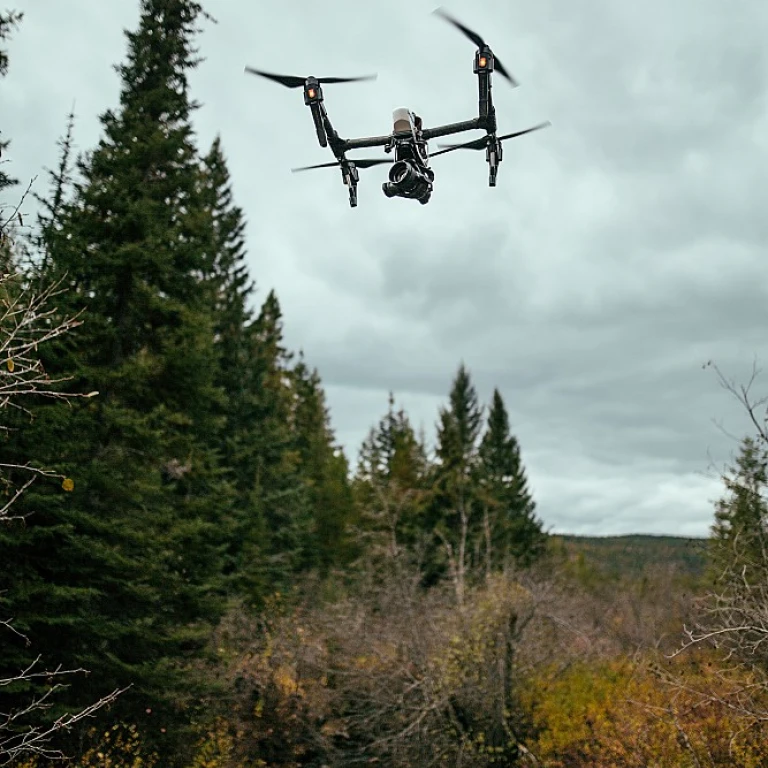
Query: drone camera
[{"x": 408, "y": 180}]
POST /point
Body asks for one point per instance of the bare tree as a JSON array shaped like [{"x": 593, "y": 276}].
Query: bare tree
[
  {"x": 29, "y": 319},
  {"x": 755, "y": 407},
  {"x": 730, "y": 627}
]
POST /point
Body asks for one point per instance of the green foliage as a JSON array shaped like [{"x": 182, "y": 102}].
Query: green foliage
[
  {"x": 739, "y": 532},
  {"x": 122, "y": 576},
  {"x": 514, "y": 530},
  {"x": 272, "y": 505},
  {"x": 325, "y": 473},
  {"x": 635, "y": 554},
  {"x": 391, "y": 488},
  {"x": 8, "y": 21}
]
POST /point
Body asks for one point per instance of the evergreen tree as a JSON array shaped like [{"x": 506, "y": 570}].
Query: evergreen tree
[
  {"x": 61, "y": 182},
  {"x": 272, "y": 499},
  {"x": 229, "y": 272},
  {"x": 390, "y": 485},
  {"x": 510, "y": 526},
  {"x": 739, "y": 538},
  {"x": 325, "y": 472},
  {"x": 8, "y": 21},
  {"x": 122, "y": 575},
  {"x": 455, "y": 509}
]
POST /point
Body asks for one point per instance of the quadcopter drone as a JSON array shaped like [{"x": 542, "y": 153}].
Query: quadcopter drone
[{"x": 410, "y": 175}]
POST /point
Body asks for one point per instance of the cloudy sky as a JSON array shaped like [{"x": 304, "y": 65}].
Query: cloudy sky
[{"x": 623, "y": 247}]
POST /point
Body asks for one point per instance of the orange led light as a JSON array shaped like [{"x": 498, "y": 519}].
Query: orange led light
[
  {"x": 311, "y": 93},
  {"x": 483, "y": 61}
]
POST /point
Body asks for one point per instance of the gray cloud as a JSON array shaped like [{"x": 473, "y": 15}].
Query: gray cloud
[{"x": 623, "y": 247}]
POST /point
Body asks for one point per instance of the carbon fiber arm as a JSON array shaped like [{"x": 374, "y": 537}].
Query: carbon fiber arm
[{"x": 446, "y": 130}]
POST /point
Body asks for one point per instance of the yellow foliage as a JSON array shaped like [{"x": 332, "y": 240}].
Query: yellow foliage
[
  {"x": 216, "y": 748},
  {"x": 118, "y": 747},
  {"x": 620, "y": 715},
  {"x": 285, "y": 679}
]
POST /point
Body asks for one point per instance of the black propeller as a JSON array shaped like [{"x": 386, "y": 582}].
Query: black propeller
[
  {"x": 483, "y": 141},
  {"x": 363, "y": 162},
  {"x": 292, "y": 81},
  {"x": 478, "y": 41}
]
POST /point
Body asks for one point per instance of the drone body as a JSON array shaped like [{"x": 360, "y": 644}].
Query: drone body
[{"x": 410, "y": 175}]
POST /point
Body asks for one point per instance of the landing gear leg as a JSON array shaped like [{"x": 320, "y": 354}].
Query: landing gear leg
[
  {"x": 350, "y": 177},
  {"x": 493, "y": 156}
]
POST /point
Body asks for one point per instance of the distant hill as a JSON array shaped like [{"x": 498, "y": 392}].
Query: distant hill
[{"x": 636, "y": 554}]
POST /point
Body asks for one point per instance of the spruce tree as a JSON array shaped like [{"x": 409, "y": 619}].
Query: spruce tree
[
  {"x": 52, "y": 205},
  {"x": 455, "y": 509},
  {"x": 272, "y": 507},
  {"x": 233, "y": 286},
  {"x": 8, "y": 21},
  {"x": 739, "y": 537},
  {"x": 391, "y": 485},
  {"x": 122, "y": 576},
  {"x": 510, "y": 526},
  {"x": 325, "y": 472}
]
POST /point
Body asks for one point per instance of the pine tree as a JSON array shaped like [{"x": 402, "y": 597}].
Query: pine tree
[
  {"x": 510, "y": 526},
  {"x": 228, "y": 271},
  {"x": 390, "y": 486},
  {"x": 61, "y": 182},
  {"x": 8, "y": 21},
  {"x": 325, "y": 472},
  {"x": 455, "y": 508},
  {"x": 123, "y": 574},
  {"x": 739, "y": 537},
  {"x": 272, "y": 500}
]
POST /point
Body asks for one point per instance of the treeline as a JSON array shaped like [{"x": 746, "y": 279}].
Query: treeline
[{"x": 201, "y": 474}]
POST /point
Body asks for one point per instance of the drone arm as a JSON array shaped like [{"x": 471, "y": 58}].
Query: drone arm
[
  {"x": 336, "y": 143},
  {"x": 371, "y": 141},
  {"x": 446, "y": 130}
]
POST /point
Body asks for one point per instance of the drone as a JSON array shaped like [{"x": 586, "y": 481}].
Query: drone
[{"x": 410, "y": 174}]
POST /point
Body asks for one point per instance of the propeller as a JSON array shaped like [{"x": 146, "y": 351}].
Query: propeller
[
  {"x": 478, "y": 41},
  {"x": 292, "y": 81},
  {"x": 363, "y": 162},
  {"x": 483, "y": 141}
]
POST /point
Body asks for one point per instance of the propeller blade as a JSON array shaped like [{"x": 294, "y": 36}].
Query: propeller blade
[
  {"x": 367, "y": 162},
  {"x": 363, "y": 162},
  {"x": 482, "y": 142},
  {"x": 289, "y": 81},
  {"x": 538, "y": 127},
  {"x": 499, "y": 67},
  {"x": 473, "y": 36},
  {"x": 478, "y": 41},
  {"x": 292, "y": 81},
  {"x": 324, "y": 80},
  {"x": 312, "y": 167}
]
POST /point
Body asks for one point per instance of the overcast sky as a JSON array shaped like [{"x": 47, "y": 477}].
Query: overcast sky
[{"x": 622, "y": 248}]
